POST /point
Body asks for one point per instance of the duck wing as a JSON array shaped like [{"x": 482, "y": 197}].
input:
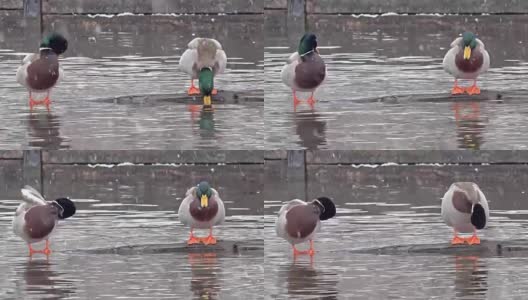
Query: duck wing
[{"x": 32, "y": 196}]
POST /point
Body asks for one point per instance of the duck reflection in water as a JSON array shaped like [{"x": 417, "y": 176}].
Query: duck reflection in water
[
  {"x": 303, "y": 279},
  {"x": 42, "y": 280},
  {"x": 471, "y": 277},
  {"x": 44, "y": 131},
  {"x": 310, "y": 128},
  {"x": 469, "y": 123},
  {"x": 204, "y": 275},
  {"x": 204, "y": 118}
]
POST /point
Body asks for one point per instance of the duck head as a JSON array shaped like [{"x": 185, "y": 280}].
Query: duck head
[
  {"x": 308, "y": 44},
  {"x": 206, "y": 83},
  {"x": 56, "y": 42},
  {"x": 204, "y": 192},
  {"x": 326, "y": 206},
  {"x": 65, "y": 206},
  {"x": 469, "y": 43}
]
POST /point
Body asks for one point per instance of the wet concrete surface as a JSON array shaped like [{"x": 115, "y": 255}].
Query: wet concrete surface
[
  {"x": 133, "y": 56},
  {"x": 126, "y": 239},
  {"x": 389, "y": 241},
  {"x": 386, "y": 89}
]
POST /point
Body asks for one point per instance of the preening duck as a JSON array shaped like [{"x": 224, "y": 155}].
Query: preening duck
[
  {"x": 299, "y": 221},
  {"x": 35, "y": 218},
  {"x": 465, "y": 209}
]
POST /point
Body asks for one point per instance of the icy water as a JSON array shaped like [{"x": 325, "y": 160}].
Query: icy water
[
  {"x": 398, "y": 58},
  {"x": 126, "y": 241},
  {"x": 395, "y": 211},
  {"x": 133, "y": 55}
]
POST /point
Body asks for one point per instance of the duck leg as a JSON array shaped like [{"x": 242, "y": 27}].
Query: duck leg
[
  {"x": 296, "y": 101},
  {"x": 47, "y": 250},
  {"x": 47, "y": 101},
  {"x": 457, "y": 240},
  {"x": 311, "y": 252},
  {"x": 31, "y": 250},
  {"x": 457, "y": 90},
  {"x": 192, "y": 239},
  {"x": 474, "y": 89},
  {"x": 297, "y": 252},
  {"x": 474, "y": 239},
  {"x": 193, "y": 90},
  {"x": 32, "y": 101},
  {"x": 210, "y": 239},
  {"x": 311, "y": 100}
]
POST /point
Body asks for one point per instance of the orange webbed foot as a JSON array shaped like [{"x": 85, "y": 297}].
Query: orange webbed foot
[
  {"x": 210, "y": 240},
  {"x": 193, "y": 91},
  {"x": 457, "y": 240},
  {"x": 457, "y": 90},
  {"x": 473, "y": 240},
  {"x": 473, "y": 90},
  {"x": 193, "y": 240}
]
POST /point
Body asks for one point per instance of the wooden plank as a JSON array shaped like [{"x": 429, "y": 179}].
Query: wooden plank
[
  {"x": 151, "y": 6},
  {"x": 11, "y": 4},
  {"x": 275, "y": 4},
  {"x": 152, "y": 157},
  {"x": 417, "y": 156},
  {"x": 413, "y": 6}
]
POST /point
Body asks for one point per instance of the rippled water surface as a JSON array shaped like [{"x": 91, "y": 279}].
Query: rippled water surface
[
  {"x": 126, "y": 241},
  {"x": 398, "y": 56},
  {"x": 133, "y": 55},
  {"x": 398, "y": 207}
]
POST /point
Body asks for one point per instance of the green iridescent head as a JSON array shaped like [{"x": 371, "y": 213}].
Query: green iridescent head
[{"x": 56, "y": 42}]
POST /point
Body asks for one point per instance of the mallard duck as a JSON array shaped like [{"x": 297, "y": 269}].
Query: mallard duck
[
  {"x": 466, "y": 59},
  {"x": 41, "y": 72},
  {"x": 305, "y": 70},
  {"x": 202, "y": 208},
  {"x": 35, "y": 219},
  {"x": 203, "y": 60},
  {"x": 298, "y": 221},
  {"x": 465, "y": 208}
]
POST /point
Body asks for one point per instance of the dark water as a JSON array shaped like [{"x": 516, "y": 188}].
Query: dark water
[
  {"x": 400, "y": 56},
  {"x": 396, "y": 206},
  {"x": 123, "y": 214},
  {"x": 112, "y": 57}
]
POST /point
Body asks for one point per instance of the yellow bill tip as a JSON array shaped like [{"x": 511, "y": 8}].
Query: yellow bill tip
[
  {"x": 204, "y": 201},
  {"x": 207, "y": 100},
  {"x": 467, "y": 52}
]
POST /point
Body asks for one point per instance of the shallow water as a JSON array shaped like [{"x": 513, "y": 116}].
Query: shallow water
[
  {"x": 400, "y": 206},
  {"x": 112, "y": 57},
  {"x": 135, "y": 212},
  {"x": 395, "y": 56}
]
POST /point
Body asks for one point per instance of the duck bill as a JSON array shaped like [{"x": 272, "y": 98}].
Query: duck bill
[
  {"x": 467, "y": 52},
  {"x": 207, "y": 100},
  {"x": 204, "y": 201}
]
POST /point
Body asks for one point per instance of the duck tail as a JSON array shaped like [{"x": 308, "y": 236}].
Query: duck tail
[{"x": 478, "y": 217}]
